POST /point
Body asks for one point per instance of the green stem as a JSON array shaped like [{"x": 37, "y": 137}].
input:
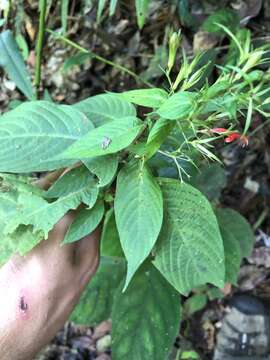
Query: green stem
[
  {"x": 39, "y": 47},
  {"x": 100, "y": 58}
]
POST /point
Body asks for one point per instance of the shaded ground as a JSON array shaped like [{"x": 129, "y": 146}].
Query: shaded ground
[{"x": 248, "y": 170}]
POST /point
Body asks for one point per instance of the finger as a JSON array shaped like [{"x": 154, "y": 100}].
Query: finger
[
  {"x": 87, "y": 256},
  {"x": 51, "y": 247},
  {"x": 46, "y": 182}
]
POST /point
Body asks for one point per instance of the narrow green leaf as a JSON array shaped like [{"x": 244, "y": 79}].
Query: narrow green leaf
[
  {"x": 113, "y": 4},
  {"x": 12, "y": 61},
  {"x": 110, "y": 241},
  {"x": 141, "y": 11},
  {"x": 64, "y": 14},
  {"x": 159, "y": 132},
  {"x": 33, "y": 133},
  {"x": 85, "y": 222},
  {"x": 96, "y": 302},
  {"x": 23, "y": 46},
  {"x": 152, "y": 98},
  {"x": 190, "y": 248},
  {"x": 178, "y": 106},
  {"x": 150, "y": 307},
  {"x": 101, "y": 6},
  {"x": 103, "y": 108},
  {"x": 138, "y": 213},
  {"x": 104, "y": 167},
  {"x": 106, "y": 139}
]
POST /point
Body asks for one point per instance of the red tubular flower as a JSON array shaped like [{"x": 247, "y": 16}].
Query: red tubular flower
[
  {"x": 231, "y": 136},
  {"x": 234, "y": 136}
]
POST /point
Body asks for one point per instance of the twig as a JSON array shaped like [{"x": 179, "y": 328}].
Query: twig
[
  {"x": 100, "y": 58},
  {"x": 39, "y": 48}
]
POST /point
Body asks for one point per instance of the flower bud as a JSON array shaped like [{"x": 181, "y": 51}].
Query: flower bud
[{"x": 174, "y": 43}]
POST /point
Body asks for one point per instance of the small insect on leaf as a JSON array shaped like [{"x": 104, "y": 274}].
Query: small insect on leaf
[{"x": 105, "y": 142}]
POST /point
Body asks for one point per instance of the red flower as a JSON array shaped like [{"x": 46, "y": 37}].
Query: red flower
[{"x": 232, "y": 136}]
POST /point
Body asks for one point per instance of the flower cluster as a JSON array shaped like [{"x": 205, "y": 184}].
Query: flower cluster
[{"x": 231, "y": 136}]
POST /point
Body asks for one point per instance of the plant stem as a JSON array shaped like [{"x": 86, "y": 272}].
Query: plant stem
[
  {"x": 100, "y": 58},
  {"x": 39, "y": 47}
]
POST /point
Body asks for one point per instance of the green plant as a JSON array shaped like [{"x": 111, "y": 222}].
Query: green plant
[{"x": 161, "y": 236}]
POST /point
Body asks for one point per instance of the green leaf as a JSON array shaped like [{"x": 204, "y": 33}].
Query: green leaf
[
  {"x": 103, "y": 108},
  {"x": 178, "y": 106},
  {"x": 96, "y": 302},
  {"x": 239, "y": 227},
  {"x": 33, "y": 210},
  {"x": 23, "y": 46},
  {"x": 152, "y": 98},
  {"x": 104, "y": 167},
  {"x": 110, "y": 241},
  {"x": 23, "y": 239},
  {"x": 85, "y": 222},
  {"x": 101, "y": 6},
  {"x": 141, "y": 11},
  {"x": 113, "y": 4},
  {"x": 12, "y": 61},
  {"x": 64, "y": 14},
  {"x": 237, "y": 238},
  {"x": 190, "y": 248},
  {"x": 225, "y": 17},
  {"x": 33, "y": 133},
  {"x": 76, "y": 60},
  {"x": 210, "y": 181},
  {"x": 138, "y": 213},
  {"x": 145, "y": 319},
  {"x": 159, "y": 132},
  {"x": 195, "y": 303},
  {"x": 74, "y": 180},
  {"x": 20, "y": 184},
  {"x": 233, "y": 257},
  {"x": 189, "y": 355},
  {"x": 106, "y": 139}
]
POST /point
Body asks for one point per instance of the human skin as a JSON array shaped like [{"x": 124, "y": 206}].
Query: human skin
[{"x": 39, "y": 291}]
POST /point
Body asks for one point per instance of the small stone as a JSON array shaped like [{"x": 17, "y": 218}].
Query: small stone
[
  {"x": 10, "y": 85},
  {"x": 104, "y": 343},
  {"x": 204, "y": 40}
]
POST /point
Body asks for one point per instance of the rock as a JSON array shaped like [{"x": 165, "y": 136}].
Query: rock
[
  {"x": 204, "y": 40},
  {"x": 104, "y": 343}
]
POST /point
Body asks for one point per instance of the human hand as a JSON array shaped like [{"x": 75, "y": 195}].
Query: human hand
[{"x": 40, "y": 290}]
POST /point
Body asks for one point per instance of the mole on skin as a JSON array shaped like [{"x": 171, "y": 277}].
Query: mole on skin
[{"x": 23, "y": 306}]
